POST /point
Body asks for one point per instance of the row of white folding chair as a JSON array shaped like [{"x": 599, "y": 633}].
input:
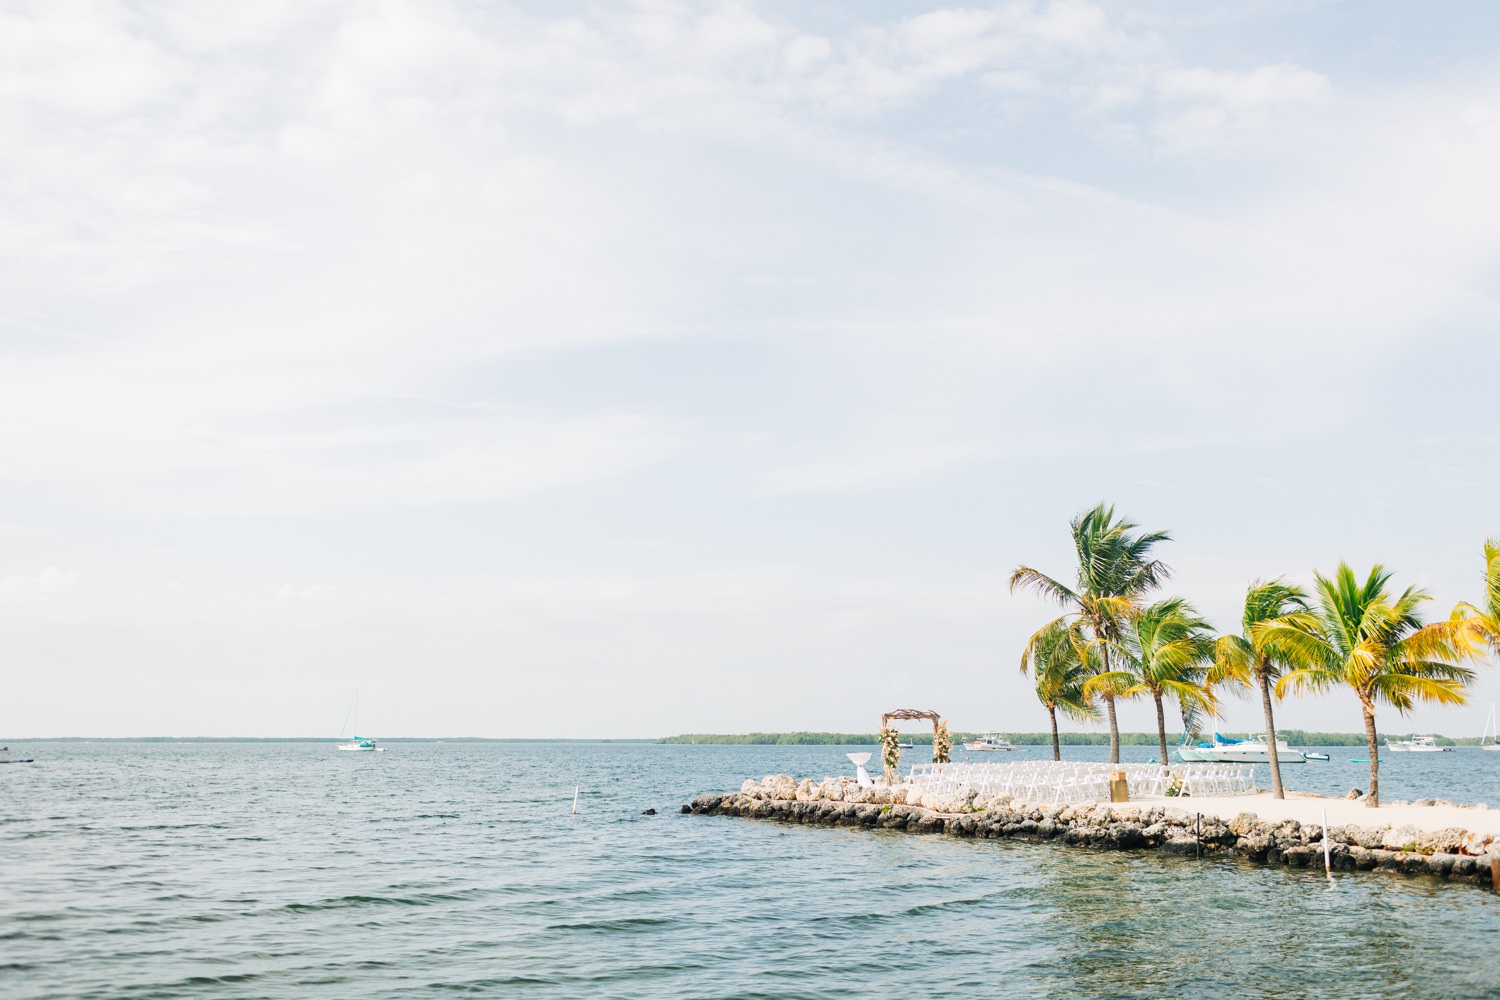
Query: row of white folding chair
[
  {"x": 1053, "y": 782},
  {"x": 1047, "y": 780},
  {"x": 1212, "y": 780},
  {"x": 1078, "y": 781},
  {"x": 1031, "y": 780}
]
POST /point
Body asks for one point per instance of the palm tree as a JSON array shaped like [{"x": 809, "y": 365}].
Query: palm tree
[
  {"x": 1362, "y": 637},
  {"x": 1254, "y": 658},
  {"x": 1061, "y": 673},
  {"x": 1115, "y": 571},
  {"x": 1166, "y": 651},
  {"x": 1479, "y": 628}
]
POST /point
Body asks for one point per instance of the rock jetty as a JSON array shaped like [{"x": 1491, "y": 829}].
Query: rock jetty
[{"x": 1454, "y": 854}]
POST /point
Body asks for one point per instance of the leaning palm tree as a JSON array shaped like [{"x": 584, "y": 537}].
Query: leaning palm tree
[
  {"x": 1479, "y": 626},
  {"x": 1059, "y": 659},
  {"x": 1253, "y": 658},
  {"x": 1115, "y": 571},
  {"x": 1166, "y": 653},
  {"x": 1363, "y": 637}
]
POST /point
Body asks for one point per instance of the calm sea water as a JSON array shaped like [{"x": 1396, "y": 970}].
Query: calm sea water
[{"x": 292, "y": 870}]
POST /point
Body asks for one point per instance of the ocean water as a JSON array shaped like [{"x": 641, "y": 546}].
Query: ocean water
[{"x": 450, "y": 869}]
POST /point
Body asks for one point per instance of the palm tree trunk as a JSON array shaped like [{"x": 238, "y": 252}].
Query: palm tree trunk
[
  {"x": 1114, "y": 726},
  {"x": 1372, "y": 797},
  {"x": 1265, "y": 702},
  {"x": 1114, "y": 729},
  {"x": 1161, "y": 727},
  {"x": 1056, "y": 747}
]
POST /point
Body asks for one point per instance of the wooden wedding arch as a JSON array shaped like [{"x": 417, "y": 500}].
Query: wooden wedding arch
[{"x": 890, "y": 742}]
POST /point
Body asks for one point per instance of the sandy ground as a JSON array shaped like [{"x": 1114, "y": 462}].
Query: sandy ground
[{"x": 1341, "y": 812}]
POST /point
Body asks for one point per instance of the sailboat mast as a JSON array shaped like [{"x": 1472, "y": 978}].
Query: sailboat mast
[{"x": 352, "y": 709}]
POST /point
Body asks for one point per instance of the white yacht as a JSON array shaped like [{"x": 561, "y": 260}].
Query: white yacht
[
  {"x": 1249, "y": 751},
  {"x": 1417, "y": 744},
  {"x": 1490, "y": 740},
  {"x": 990, "y": 741}
]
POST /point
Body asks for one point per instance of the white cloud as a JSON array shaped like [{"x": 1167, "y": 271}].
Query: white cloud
[
  {"x": 897, "y": 468},
  {"x": 49, "y": 581},
  {"x": 86, "y": 57},
  {"x": 1263, "y": 87},
  {"x": 651, "y": 290},
  {"x": 1221, "y": 109}
]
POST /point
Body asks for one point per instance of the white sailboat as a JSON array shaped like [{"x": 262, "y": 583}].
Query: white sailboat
[
  {"x": 1491, "y": 731},
  {"x": 358, "y": 744}
]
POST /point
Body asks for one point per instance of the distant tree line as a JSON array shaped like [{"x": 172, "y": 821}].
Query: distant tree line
[{"x": 1294, "y": 737}]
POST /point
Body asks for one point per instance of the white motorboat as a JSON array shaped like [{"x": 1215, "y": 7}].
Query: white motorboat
[
  {"x": 1417, "y": 744},
  {"x": 990, "y": 741},
  {"x": 1491, "y": 732},
  {"x": 1248, "y": 751}
]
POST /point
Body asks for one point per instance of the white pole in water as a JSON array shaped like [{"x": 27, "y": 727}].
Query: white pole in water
[
  {"x": 575, "y": 800},
  {"x": 1327, "y": 858}
]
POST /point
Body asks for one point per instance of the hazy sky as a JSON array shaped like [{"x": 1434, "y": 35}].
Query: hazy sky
[{"x": 623, "y": 370}]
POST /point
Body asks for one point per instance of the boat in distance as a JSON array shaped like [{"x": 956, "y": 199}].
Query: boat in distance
[
  {"x": 990, "y": 741},
  {"x": 1490, "y": 740},
  {"x": 358, "y": 744},
  {"x": 1417, "y": 744},
  {"x": 15, "y": 760},
  {"x": 1224, "y": 750}
]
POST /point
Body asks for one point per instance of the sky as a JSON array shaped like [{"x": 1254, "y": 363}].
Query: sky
[{"x": 621, "y": 370}]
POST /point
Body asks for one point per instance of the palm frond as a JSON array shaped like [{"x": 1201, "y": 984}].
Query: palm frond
[
  {"x": 1113, "y": 682},
  {"x": 1403, "y": 690},
  {"x": 1307, "y": 680},
  {"x": 1234, "y": 660},
  {"x": 1190, "y": 694},
  {"x": 1269, "y": 599},
  {"x": 1078, "y": 706},
  {"x": 1476, "y": 632},
  {"x": 1027, "y": 579},
  {"x": 1042, "y": 641},
  {"x": 1492, "y": 579},
  {"x": 1296, "y": 642}
]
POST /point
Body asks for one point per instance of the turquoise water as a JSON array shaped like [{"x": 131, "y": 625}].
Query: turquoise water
[{"x": 292, "y": 870}]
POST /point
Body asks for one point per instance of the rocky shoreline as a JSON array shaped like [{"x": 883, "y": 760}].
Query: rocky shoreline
[{"x": 1453, "y": 854}]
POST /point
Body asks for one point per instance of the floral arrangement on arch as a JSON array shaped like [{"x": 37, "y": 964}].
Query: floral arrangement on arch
[
  {"x": 890, "y": 750},
  {"x": 942, "y": 742}
]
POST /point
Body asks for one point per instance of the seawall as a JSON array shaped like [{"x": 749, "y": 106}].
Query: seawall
[{"x": 1175, "y": 826}]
